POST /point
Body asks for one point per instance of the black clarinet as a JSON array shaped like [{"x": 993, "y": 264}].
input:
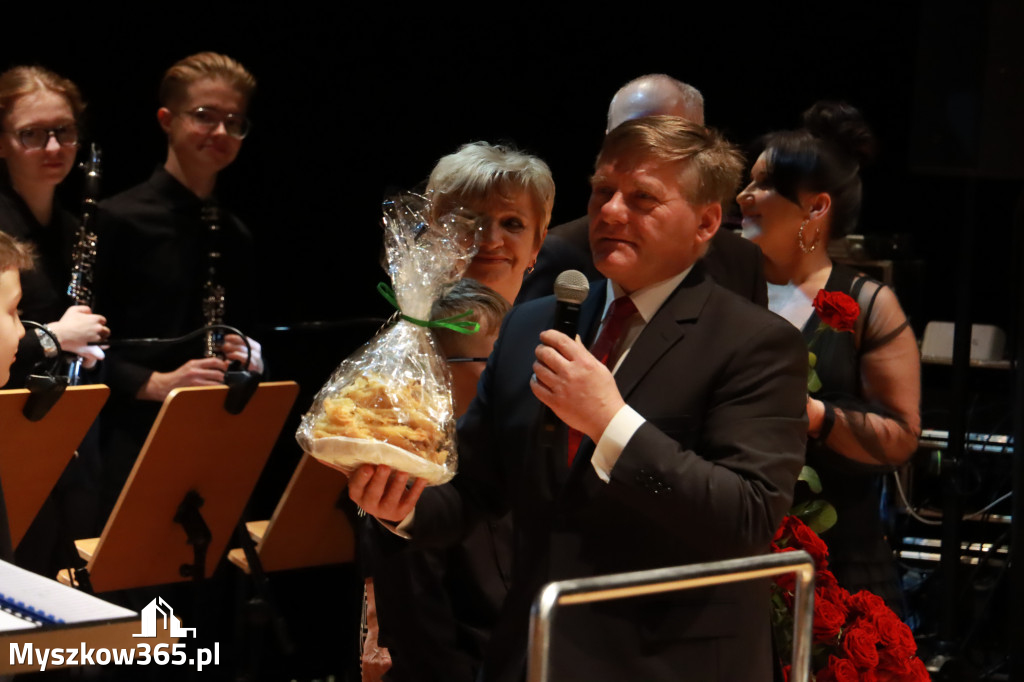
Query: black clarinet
[
  {"x": 213, "y": 290},
  {"x": 83, "y": 254}
]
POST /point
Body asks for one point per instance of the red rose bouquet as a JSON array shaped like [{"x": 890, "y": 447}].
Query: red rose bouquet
[
  {"x": 838, "y": 312},
  {"x": 856, "y": 637}
]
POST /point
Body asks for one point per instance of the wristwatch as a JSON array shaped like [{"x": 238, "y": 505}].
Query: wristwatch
[{"x": 46, "y": 341}]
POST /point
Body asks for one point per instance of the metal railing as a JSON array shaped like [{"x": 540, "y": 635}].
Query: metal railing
[{"x": 660, "y": 580}]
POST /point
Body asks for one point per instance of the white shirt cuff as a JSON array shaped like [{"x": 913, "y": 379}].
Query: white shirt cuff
[
  {"x": 614, "y": 439},
  {"x": 403, "y": 527}
]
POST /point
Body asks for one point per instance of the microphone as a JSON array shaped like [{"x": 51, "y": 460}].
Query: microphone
[{"x": 571, "y": 289}]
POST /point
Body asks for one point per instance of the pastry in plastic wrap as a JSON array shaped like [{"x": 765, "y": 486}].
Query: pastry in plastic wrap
[
  {"x": 390, "y": 402},
  {"x": 367, "y": 410}
]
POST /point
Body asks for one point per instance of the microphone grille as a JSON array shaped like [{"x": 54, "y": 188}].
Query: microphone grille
[{"x": 572, "y": 287}]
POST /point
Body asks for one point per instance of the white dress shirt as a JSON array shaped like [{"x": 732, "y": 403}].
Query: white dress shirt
[{"x": 627, "y": 420}]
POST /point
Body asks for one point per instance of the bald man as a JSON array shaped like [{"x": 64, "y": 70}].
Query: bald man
[
  {"x": 652, "y": 95},
  {"x": 730, "y": 260}
]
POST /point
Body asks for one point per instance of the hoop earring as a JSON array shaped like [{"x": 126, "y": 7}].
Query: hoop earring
[{"x": 800, "y": 239}]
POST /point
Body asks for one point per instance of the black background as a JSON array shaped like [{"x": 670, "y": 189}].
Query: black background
[{"x": 355, "y": 103}]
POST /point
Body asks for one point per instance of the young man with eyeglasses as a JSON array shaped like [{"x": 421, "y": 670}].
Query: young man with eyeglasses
[{"x": 159, "y": 256}]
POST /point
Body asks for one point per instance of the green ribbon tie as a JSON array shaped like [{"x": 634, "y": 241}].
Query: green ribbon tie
[{"x": 456, "y": 323}]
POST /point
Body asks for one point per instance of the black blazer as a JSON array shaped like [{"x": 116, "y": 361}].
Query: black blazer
[
  {"x": 731, "y": 260},
  {"x": 721, "y": 383}
]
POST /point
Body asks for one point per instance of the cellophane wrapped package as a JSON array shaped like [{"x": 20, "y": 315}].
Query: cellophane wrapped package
[{"x": 390, "y": 402}]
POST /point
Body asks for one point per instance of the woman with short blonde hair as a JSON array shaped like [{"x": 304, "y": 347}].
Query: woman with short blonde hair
[{"x": 511, "y": 195}]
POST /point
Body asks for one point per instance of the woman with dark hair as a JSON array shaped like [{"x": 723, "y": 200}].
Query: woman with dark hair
[{"x": 805, "y": 189}]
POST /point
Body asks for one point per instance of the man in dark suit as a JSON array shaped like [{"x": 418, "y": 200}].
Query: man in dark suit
[
  {"x": 731, "y": 260},
  {"x": 690, "y": 438}
]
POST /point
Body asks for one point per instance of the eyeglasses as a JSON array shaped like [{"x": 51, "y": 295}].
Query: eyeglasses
[
  {"x": 209, "y": 119},
  {"x": 38, "y": 138}
]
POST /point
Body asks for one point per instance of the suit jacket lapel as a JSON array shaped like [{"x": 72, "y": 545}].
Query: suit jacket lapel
[{"x": 667, "y": 328}]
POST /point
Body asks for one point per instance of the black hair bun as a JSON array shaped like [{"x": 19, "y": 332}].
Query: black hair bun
[{"x": 843, "y": 126}]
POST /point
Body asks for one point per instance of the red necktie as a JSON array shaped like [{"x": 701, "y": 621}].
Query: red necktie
[{"x": 619, "y": 312}]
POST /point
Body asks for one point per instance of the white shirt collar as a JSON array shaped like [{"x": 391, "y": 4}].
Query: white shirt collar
[{"x": 648, "y": 299}]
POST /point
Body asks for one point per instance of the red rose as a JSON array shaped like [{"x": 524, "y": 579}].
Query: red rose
[
  {"x": 912, "y": 670},
  {"x": 795, "y": 534},
  {"x": 786, "y": 581},
  {"x": 867, "y": 603},
  {"x": 839, "y": 670},
  {"x": 825, "y": 580},
  {"x": 832, "y": 595},
  {"x": 918, "y": 672},
  {"x": 806, "y": 539},
  {"x": 837, "y": 310},
  {"x": 894, "y": 667},
  {"x": 861, "y": 645},
  {"x": 786, "y": 672},
  {"x": 829, "y": 619},
  {"x": 785, "y": 531},
  {"x": 894, "y": 636}
]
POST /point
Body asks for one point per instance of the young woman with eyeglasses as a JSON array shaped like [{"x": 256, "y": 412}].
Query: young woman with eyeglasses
[
  {"x": 39, "y": 112},
  {"x": 39, "y": 135}
]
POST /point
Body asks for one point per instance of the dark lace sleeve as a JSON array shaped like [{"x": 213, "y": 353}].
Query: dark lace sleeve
[{"x": 882, "y": 426}]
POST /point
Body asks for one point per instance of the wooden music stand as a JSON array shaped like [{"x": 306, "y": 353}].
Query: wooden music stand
[
  {"x": 308, "y": 528},
  {"x": 34, "y": 454},
  {"x": 196, "y": 451}
]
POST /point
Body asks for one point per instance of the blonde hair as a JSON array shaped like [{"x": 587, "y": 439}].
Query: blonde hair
[
  {"x": 14, "y": 254},
  {"x": 479, "y": 169},
  {"x": 201, "y": 66},
  {"x": 19, "y": 81},
  {"x": 715, "y": 162}
]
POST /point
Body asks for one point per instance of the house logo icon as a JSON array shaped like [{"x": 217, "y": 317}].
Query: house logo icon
[{"x": 156, "y": 611}]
